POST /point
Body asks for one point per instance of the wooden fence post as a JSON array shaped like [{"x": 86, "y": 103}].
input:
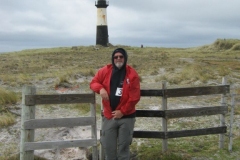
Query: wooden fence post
[
  {"x": 164, "y": 119},
  {"x": 101, "y": 150},
  {"x": 28, "y": 112},
  {"x": 222, "y": 116},
  {"x": 94, "y": 129},
  {"x": 231, "y": 121}
]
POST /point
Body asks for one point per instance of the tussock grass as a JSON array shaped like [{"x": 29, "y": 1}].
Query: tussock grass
[
  {"x": 6, "y": 119},
  {"x": 7, "y": 97},
  {"x": 196, "y": 72},
  {"x": 223, "y": 44}
]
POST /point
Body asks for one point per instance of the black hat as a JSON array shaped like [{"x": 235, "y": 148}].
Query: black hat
[{"x": 124, "y": 53}]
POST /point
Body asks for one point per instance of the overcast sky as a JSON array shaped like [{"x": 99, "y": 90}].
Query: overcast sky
[{"x": 27, "y": 24}]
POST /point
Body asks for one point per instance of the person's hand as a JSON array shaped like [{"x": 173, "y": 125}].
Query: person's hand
[
  {"x": 117, "y": 114},
  {"x": 104, "y": 94}
]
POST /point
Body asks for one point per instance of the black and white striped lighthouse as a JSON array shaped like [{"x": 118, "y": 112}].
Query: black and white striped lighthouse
[{"x": 102, "y": 28}]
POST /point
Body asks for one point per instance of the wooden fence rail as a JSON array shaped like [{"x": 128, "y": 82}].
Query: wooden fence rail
[
  {"x": 184, "y": 92},
  {"x": 188, "y": 112}
]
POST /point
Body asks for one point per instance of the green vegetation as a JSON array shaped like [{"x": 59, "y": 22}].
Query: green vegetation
[
  {"x": 205, "y": 147},
  {"x": 6, "y": 119},
  {"x": 7, "y": 97},
  {"x": 83, "y": 108},
  {"x": 223, "y": 44},
  {"x": 67, "y": 67},
  {"x": 152, "y": 150}
]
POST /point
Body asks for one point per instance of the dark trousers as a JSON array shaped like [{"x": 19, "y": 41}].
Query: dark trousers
[{"x": 116, "y": 138}]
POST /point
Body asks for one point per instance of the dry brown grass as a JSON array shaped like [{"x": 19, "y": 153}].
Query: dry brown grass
[
  {"x": 6, "y": 120},
  {"x": 200, "y": 64},
  {"x": 7, "y": 97},
  {"x": 178, "y": 66}
]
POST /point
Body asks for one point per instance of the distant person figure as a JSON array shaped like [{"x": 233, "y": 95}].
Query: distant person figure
[
  {"x": 141, "y": 46},
  {"x": 119, "y": 86}
]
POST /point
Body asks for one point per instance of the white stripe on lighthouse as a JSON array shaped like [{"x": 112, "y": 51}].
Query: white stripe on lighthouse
[{"x": 101, "y": 16}]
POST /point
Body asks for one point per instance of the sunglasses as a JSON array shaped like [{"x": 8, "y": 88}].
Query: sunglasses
[{"x": 116, "y": 57}]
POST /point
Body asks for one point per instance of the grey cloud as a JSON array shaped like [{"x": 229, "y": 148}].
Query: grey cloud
[{"x": 182, "y": 23}]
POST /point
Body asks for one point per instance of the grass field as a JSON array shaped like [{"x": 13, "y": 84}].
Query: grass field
[{"x": 180, "y": 67}]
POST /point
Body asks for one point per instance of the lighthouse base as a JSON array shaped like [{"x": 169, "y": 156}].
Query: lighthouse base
[{"x": 102, "y": 35}]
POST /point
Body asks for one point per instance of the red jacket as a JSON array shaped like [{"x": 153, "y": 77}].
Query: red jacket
[{"x": 131, "y": 90}]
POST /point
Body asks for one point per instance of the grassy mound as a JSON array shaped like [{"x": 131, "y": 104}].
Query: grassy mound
[{"x": 227, "y": 44}]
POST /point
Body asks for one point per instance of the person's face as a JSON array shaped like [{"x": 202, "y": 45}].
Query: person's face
[{"x": 118, "y": 59}]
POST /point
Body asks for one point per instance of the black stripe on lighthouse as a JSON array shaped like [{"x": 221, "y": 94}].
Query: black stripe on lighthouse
[{"x": 102, "y": 28}]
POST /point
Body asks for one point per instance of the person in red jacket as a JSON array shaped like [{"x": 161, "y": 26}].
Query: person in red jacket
[{"x": 119, "y": 86}]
